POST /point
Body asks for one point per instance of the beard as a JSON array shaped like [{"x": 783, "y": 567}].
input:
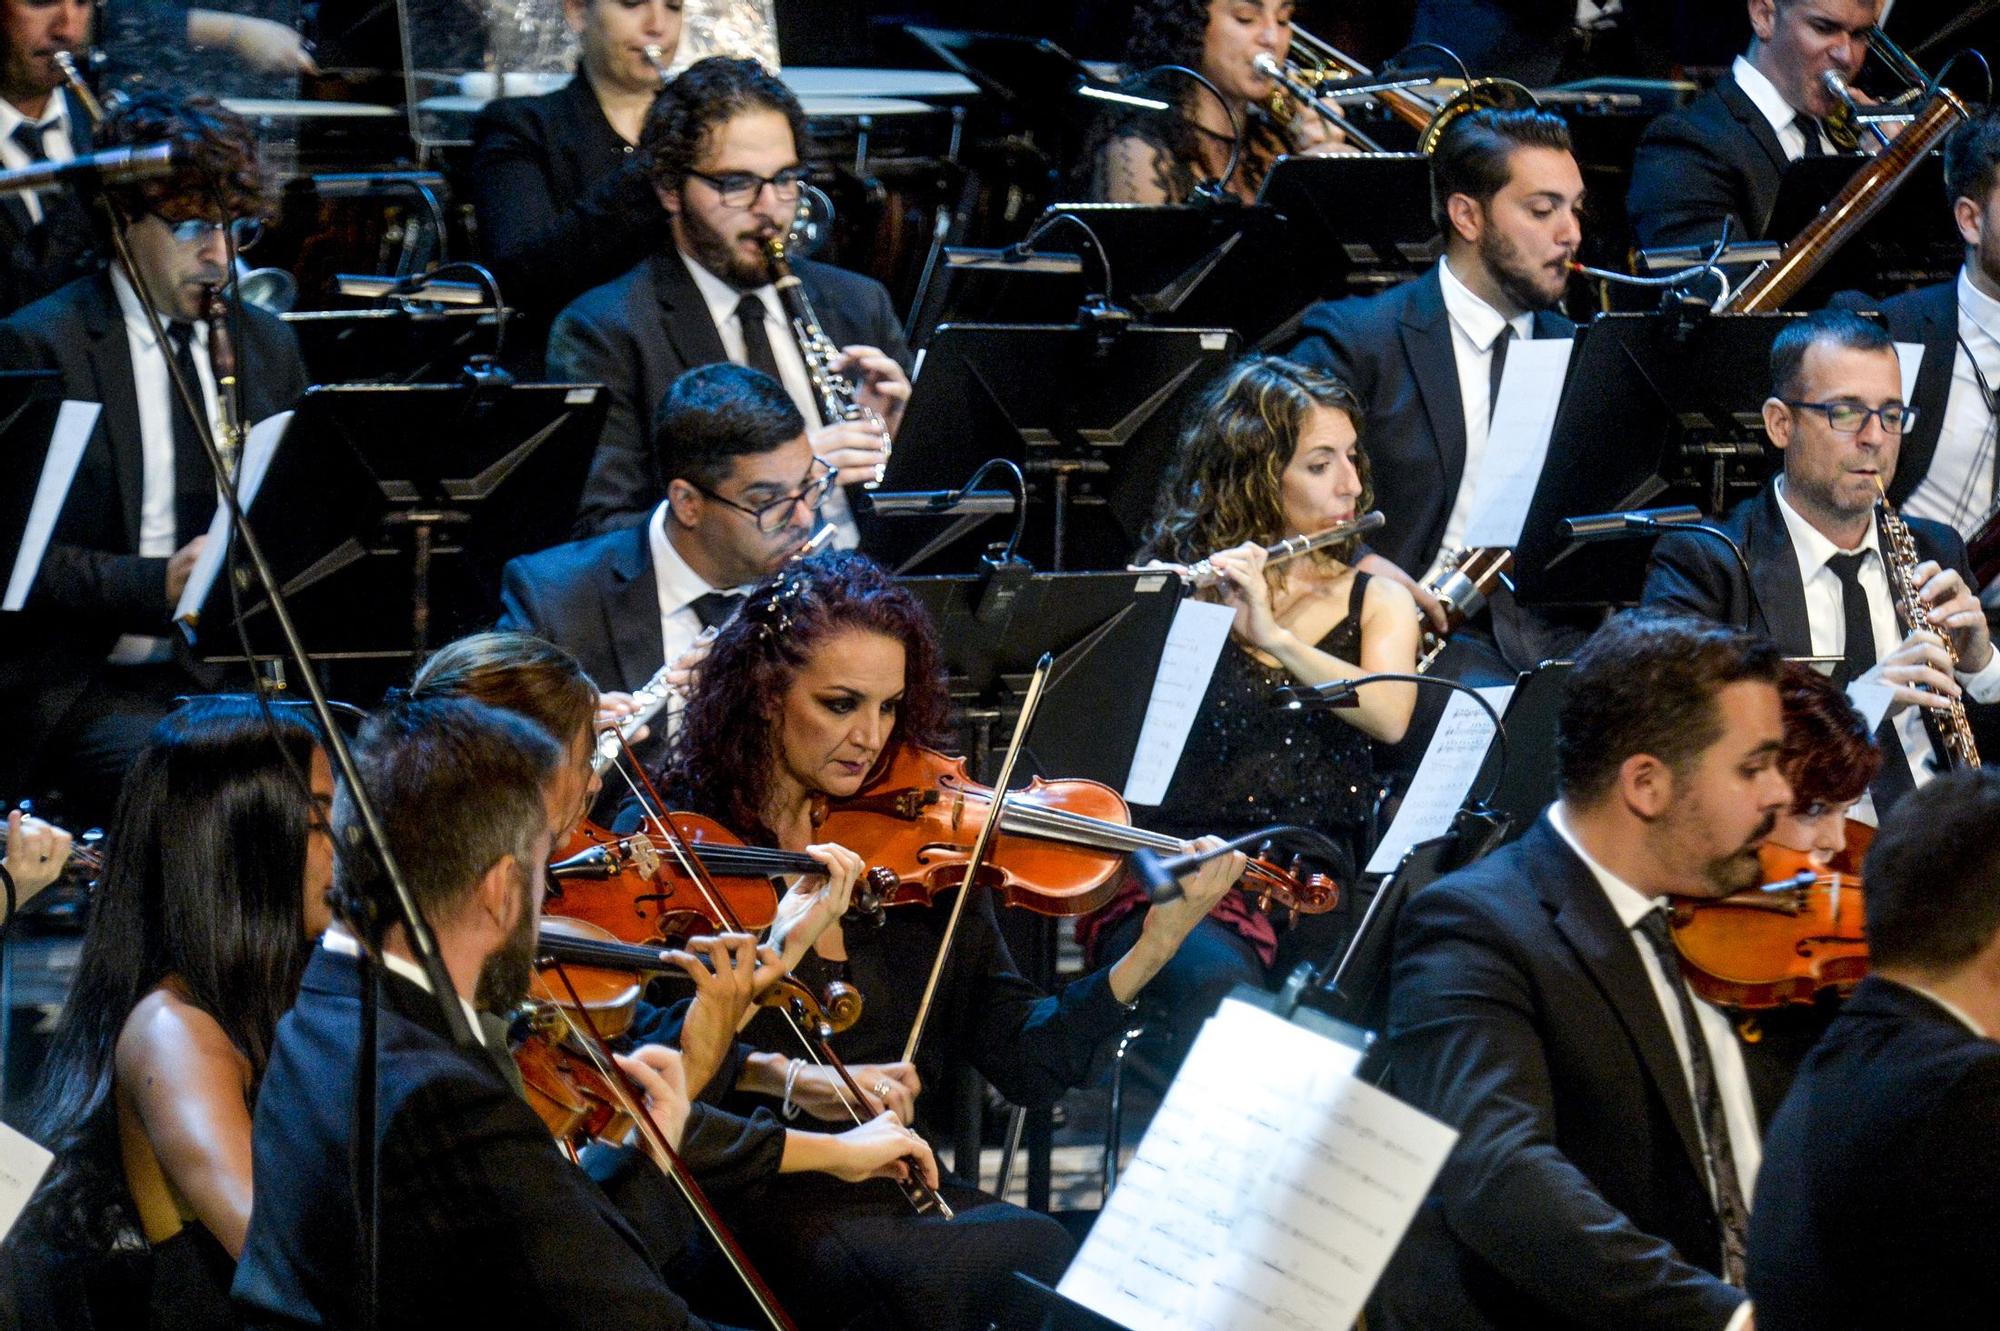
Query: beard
[
  {"x": 506, "y": 975},
  {"x": 1503, "y": 259},
  {"x": 1741, "y": 869},
  {"x": 715, "y": 252}
]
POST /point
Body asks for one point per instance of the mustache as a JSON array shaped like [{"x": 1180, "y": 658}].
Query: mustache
[{"x": 1764, "y": 829}]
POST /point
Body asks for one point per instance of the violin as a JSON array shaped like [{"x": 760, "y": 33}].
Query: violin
[
  {"x": 1794, "y": 936},
  {"x": 1059, "y": 847}
]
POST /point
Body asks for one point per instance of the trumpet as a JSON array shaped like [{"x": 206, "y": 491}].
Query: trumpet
[{"x": 1203, "y": 574}]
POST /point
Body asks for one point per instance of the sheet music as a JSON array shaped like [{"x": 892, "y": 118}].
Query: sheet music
[
  {"x": 22, "y": 1164},
  {"x": 74, "y": 422},
  {"x": 1187, "y": 663},
  {"x": 1451, "y": 764},
  {"x": 1871, "y": 697},
  {"x": 1269, "y": 1192},
  {"x": 258, "y": 448},
  {"x": 1531, "y": 386},
  {"x": 1910, "y": 360}
]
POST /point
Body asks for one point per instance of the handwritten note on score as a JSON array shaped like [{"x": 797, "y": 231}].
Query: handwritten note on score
[
  {"x": 1518, "y": 440},
  {"x": 1274, "y": 1205},
  {"x": 1451, "y": 764},
  {"x": 1195, "y": 640}
]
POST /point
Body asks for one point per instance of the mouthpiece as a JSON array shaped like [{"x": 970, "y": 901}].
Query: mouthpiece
[
  {"x": 1836, "y": 87},
  {"x": 1264, "y": 64}
]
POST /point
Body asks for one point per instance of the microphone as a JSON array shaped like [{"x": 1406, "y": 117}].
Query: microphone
[
  {"x": 900, "y": 503},
  {"x": 113, "y": 166},
  {"x": 1159, "y": 876},
  {"x": 1613, "y": 526}
]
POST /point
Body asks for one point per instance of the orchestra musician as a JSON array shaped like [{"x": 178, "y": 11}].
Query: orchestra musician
[
  {"x": 1425, "y": 357},
  {"x": 480, "y": 1219},
  {"x": 36, "y": 854},
  {"x": 1813, "y": 541},
  {"x": 1160, "y": 156},
  {"x": 562, "y": 194},
  {"x": 1543, "y": 44},
  {"x": 828, "y": 670},
  {"x": 1721, "y": 158},
  {"x": 45, "y": 239},
  {"x": 91, "y": 667},
  {"x": 1271, "y": 452},
  {"x": 213, "y": 890},
  {"x": 1605, "y": 1163},
  {"x": 722, "y": 146},
  {"x": 1882, "y": 1178}
]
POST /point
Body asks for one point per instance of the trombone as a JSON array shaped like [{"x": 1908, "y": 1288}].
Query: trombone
[{"x": 1328, "y": 67}]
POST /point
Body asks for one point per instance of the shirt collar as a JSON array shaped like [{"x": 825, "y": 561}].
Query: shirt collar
[
  {"x": 722, "y": 298},
  {"x": 680, "y": 586},
  {"x": 1977, "y": 306},
  {"x": 336, "y": 939},
  {"x": 58, "y": 115},
  {"x": 1475, "y": 318},
  {"x": 1810, "y": 544},
  {"x": 1763, "y": 94},
  {"x": 1628, "y": 901},
  {"x": 135, "y": 318}
]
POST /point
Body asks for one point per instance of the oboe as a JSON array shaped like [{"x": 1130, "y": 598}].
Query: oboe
[
  {"x": 1899, "y": 556},
  {"x": 1203, "y": 574},
  {"x": 228, "y": 391},
  {"x": 834, "y": 392}
]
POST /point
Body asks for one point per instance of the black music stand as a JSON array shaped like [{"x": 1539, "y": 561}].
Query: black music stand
[
  {"x": 1355, "y": 222},
  {"x": 408, "y": 496},
  {"x": 1911, "y": 241},
  {"x": 1653, "y": 413},
  {"x": 1091, "y": 414}
]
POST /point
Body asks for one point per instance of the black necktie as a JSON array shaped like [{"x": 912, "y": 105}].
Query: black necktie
[
  {"x": 194, "y": 479},
  {"x": 28, "y": 136},
  {"x": 1808, "y": 126},
  {"x": 1856, "y": 656},
  {"x": 756, "y": 342},
  {"x": 1495, "y": 369},
  {"x": 1730, "y": 1212},
  {"x": 713, "y": 609}
]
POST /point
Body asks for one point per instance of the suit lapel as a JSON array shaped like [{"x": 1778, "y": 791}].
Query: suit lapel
[
  {"x": 110, "y": 356},
  {"x": 1774, "y": 572},
  {"x": 683, "y": 312},
  {"x": 1754, "y": 123},
  {"x": 1426, "y": 334},
  {"x": 1932, "y": 393},
  {"x": 631, "y": 608}
]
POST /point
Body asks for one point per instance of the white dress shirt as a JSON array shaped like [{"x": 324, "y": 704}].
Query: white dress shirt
[
  {"x": 1781, "y": 114},
  {"x": 55, "y": 142},
  {"x": 679, "y": 588},
  {"x": 337, "y": 939},
  {"x": 1957, "y": 489},
  {"x": 1475, "y": 326},
  {"x": 158, "y": 537},
  {"x": 722, "y": 300},
  {"x": 1826, "y": 617}
]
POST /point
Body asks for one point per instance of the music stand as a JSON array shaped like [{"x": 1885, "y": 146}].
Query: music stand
[
  {"x": 1911, "y": 241},
  {"x": 1355, "y": 221},
  {"x": 1653, "y": 412},
  {"x": 413, "y": 496},
  {"x": 30, "y": 401},
  {"x": 1091, "y": 414}
]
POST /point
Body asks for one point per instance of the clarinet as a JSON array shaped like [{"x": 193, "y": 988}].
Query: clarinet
[
  {"x": 835, "y": 393},
  {"x": 1952, "y": 730},
  {"x": 228, "y": 396}
]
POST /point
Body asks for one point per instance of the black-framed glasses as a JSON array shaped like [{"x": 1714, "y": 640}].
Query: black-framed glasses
[
  {"x": 772, "y": 517},
  {"x": 739, "y": 189},
  {"x": 1849, "y": 417},
  {"x": 244, "y": 231}
]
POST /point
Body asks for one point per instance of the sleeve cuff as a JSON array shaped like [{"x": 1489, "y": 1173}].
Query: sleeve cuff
[
  {"x": 1985, "y": 685},
  {"x": 1740, "y": 1318}
]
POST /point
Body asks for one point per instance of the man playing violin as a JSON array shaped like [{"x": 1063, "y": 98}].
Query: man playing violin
[{"x": 1608, "y": 1145}]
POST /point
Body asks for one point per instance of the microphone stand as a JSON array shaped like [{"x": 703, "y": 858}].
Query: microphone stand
[
  {"x": 1160, "y": 877},
  {"x": 1659, "y": 522}
]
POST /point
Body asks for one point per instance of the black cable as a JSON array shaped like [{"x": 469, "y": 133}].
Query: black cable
[
  {"x": 1025, "y": 245},
  {"x": 1020, "y": 497},
  {"x": 1218, "y": 188},
  {"x": 1464, "y": 70},
  {"x": 1160, "y": 877}
]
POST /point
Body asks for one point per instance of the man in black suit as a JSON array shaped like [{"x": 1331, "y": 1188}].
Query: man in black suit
[
  {"x": 1425, "y": 357},
  {"x": 1881, "y": 1194},
  {"x": 723, "y": 143},
  {"x": 561, "y": 192},
  {"x": 1722, "y": 156},
  {"x": 1819, "y": 584},
  {"x": 81, "y": 698},
  {"x": 1605, "y": 1161},
  {"x": 1541, "y": 42},
  {"x": 45, "y": 239},
  {"x": 481, "y": 1220}
]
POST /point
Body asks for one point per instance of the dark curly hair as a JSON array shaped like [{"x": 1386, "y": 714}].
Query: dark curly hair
[
  {"x": 720, "y": 764},
  {"x": 1226, "y": 483},
  {"x": 216, "y": 147},
  {"x": 1829, "y": 757},
  {"x": 709, "y": 93}
]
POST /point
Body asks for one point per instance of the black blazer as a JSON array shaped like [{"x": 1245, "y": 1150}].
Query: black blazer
[
  {"x": 38, "y": 257},
  {"x": 483, "y": 1221},
  {"x": 637, "y": 333},
  {"x": 1394, "y": 349},
  {"x": 1521, "y": 1015},
  {"x": 563, "y": 203},
  {"x": 93, "y": 585},
  {"x": 597, "y": 598},
  {"x": 1880, "y": 1191},
  {"x": 1717, "y": 157},
  {"x": 1525, "y": 40}
]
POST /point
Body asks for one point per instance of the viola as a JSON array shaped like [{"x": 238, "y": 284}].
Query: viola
[
  {"x": 1057, "y": 852},
  {"x": 1794, "y": 936}
]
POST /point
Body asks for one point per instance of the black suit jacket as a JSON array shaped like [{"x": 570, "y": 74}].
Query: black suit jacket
[
  {"x": 1880, "y": 1192},
  {"x": 1394, "y": 349},
  {"x": 637, "y": 333},
  {"x": 563, "y": 203},
  {"x": 94, "y": 585},
  {"x": 1525, "y": 40},
  {"x": 483, "y": 1221},
  {"x": 1715, "y": 158},
  {"x": 1521, "y": 1015},
  {"x": 597, "y": 598},
  {"x": 39, "y": 257}
]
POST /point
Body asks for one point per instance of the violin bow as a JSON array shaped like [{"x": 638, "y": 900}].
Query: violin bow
[{"x": 1030, "y": 702}]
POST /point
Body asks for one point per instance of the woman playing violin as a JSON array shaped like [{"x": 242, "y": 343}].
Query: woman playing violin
[
  {"x": 827, "y": 671},
  {"x": 212, "y": 893},
  {"x": 1271, "y": 452}
]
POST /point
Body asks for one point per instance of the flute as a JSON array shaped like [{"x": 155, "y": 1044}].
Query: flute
[{"x": 1203, "y": 574}]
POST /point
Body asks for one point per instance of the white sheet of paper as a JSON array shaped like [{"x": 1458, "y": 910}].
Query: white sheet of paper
[
  {"x": 74, "y": 422},
  {"x": 1274, "y": 1205},
  {"x": 1451, "y": 764},
  {"x": 1910, "y": 359},
  {"x": 1871, "y": 697},
  {"x": 258, "y": 448},
  {"x": 1200, "y": 629},
  {"x": 1518, "y": 440},
  {"x": 22, "y": 1164}
]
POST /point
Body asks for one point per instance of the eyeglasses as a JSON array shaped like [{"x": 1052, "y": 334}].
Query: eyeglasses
[
  {"x": 739, "y": 189},
  {"x": 244, "y": 231},
  {"x": 1849, "y": 417},
  {"x": 771, "y": 518}
]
